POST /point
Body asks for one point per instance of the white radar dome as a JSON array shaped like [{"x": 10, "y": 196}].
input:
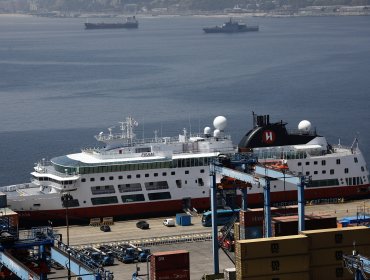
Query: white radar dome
[
  {"x": 207, "y": 130},
  {"x": 220, "y": 122},
  {"x": 304, "y": 126},
  {"x": 216, "y": 133}
]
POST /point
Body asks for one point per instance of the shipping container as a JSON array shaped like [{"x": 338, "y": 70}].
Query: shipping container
[
  {"x": 338, "y": 237},
  {"x": 330, "y": 272},
  {"x": 181, "y": 274},
  {"x": 271, "y": 247},
  {"x": 169, "y": 260},
  {"x": 334, "y": 256},
  {"x": 289, "y": 225},
  {"x": 290, "y": 276},
  {"x": 269, "y": 266},
  {"x": 183, "y": 219},
  {"x": 255, "y": 216}
]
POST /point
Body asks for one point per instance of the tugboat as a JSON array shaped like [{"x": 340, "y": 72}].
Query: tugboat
[
  {"x": 131, "y": 22},
  {"x": 231, "y": 27}
]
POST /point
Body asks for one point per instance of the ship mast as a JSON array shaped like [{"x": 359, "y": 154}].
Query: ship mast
[{"x": 127, "y": 129}]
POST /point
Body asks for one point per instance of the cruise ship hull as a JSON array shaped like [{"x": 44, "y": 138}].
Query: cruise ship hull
[{"x": 157, "y": 209}]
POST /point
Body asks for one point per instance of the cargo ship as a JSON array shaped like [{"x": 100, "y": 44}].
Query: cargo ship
[
  {"x": 131, "y": 22},
  {"x": 231, "y": 27},
  {"x": 131, "y": 177}
]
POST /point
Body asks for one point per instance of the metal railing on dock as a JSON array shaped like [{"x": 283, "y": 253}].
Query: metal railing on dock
[{"x": 157, "y": 241}]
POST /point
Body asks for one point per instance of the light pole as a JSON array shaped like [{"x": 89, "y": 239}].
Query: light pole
[{"x": 66, "y": 198}]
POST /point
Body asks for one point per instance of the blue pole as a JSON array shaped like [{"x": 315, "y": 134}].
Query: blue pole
[
  {"x": 214, "y": 221},
  {"x": 42, "y": 258},
  {"x": 267, "y": 209},
  {"x": 301, "y": 204}
]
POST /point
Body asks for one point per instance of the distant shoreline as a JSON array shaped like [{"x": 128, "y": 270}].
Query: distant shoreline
[{"x": 217, "y": 15}]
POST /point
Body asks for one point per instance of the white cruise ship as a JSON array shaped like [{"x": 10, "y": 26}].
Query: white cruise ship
[
  {"x": 128, "y": 177},
  {"x": 131, "y": 177}
]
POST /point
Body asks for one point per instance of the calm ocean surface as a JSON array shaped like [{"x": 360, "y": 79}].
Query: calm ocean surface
[{"x": 61, "y": 84}]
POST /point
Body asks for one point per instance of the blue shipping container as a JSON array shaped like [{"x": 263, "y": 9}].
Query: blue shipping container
[
  {"x": 183, "y": 219},
  {"x": 178, "y": 218}
]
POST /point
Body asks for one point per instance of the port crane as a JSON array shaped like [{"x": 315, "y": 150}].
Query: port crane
[
  {"x": 244, "y": 167},
  {"x": 358, "y": 265}
]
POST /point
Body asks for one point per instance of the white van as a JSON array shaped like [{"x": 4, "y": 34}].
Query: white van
[{"x": 169, "y": 222}]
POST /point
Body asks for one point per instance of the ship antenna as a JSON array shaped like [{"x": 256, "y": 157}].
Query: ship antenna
[
  {"x": 355, "y": 142},
  {"x": 130, "y": 124},
  {"x": 143, "y": 129},
  {"x": 110, "y": 131},
  {"x": 189, "y": 126},
  {"x": 128, "y": 127}
]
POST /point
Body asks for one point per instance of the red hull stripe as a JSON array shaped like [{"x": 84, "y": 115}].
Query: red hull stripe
[{"x": 173, "y": 206}]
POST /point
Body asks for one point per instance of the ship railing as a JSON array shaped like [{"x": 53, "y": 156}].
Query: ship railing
[
  {"x": 13, "y": 188},
  {"x": 165, "y": 154},
  {"x": 137, "y": 141},
  {"x": 300, "y": 132},
  {"x": 48, "y": 169},
  {"x": 345, "y": 149},
  {"x": 215, "y": 150},
  {"x": 156, "y": 241},
  {"x": 278, "y": 155}
]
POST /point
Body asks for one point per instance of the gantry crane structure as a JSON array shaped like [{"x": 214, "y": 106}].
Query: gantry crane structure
[{"x": 245, "y": 168}]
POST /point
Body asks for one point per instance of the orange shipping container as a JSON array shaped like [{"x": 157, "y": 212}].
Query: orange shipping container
[
  {"x": 170, "y": 260},
  {"x": 290, "y": 276},
  {"x": 337, "y": 237},
  {"x": 330, "y": 272},
  {"x": 181, "y": 274},
  {"x": 269, "y": 266},
  {"x": 271, "y": 247},
  {"x": 333, "y": 256}
]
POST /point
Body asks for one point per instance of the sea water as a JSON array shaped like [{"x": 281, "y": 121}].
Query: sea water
[{"x": 61, "y": 84}]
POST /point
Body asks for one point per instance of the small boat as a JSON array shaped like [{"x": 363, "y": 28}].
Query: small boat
[
  {"x": 131, "y": 22},
  {"x": 231, "y": 27}
]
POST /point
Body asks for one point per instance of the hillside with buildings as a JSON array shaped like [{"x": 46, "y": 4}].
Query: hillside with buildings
[{"x": 288, "y": 7}]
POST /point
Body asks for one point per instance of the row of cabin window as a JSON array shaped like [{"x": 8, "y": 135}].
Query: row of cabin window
[
  {"x": 323, "y": 162},
  {"x": 120, "y": 177},
  {"x": 125, "y": 167},
  {"x": 324, "y": 183},
  {"x": 149, "y": 186},
  {"x": 176, "y": 163},
  {"x": 346, "y": 170},
  {"x": 351, "y": 181},
  {"x": 135, "y": 187},
  {"x": 69, "y": 182},
  {"x": 354, "y": 181},
  {"x": 129, "y": 198}
]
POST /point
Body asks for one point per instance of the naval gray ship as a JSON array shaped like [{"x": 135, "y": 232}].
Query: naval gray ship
[{"x": 231, "y": 27}]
